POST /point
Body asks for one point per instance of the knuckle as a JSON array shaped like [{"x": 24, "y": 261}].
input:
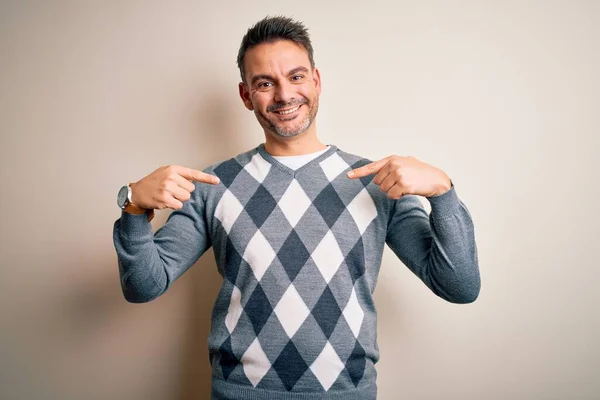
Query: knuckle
[
  {"x": 164, "y": 196},
  {"x": 171, "y": 171},
  {"x": 163, "y": 188}
]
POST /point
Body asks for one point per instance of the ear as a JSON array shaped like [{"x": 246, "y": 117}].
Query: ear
[
  {"x": 245, "y": 95},
  {"x": 317, "y": 79}
]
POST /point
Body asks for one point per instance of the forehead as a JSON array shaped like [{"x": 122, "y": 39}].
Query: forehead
[{"x": 276, "y": 57}]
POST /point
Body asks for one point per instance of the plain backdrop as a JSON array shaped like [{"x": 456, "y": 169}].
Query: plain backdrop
[{"x": 502, "y": 95}]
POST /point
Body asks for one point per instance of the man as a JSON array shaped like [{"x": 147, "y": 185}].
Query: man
[{"x": 298, "y": 230}]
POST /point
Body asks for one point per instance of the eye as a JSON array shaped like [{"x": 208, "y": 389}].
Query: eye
[
  {"x": 297, "y": 77},
  {"x": 264, "y": 85}
]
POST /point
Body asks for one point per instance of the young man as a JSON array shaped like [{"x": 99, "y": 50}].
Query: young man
[{"x": 298, "y": 230}]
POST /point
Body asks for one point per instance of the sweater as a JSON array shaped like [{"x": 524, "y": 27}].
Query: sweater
[{"x": 299, "y": 252}]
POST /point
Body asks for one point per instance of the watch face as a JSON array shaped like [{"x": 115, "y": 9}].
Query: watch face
[{"x": 122, "y": 197}]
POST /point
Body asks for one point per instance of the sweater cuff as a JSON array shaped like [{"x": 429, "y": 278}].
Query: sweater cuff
[
  {"x": 446, "y": 203},
  {"x": 135, "y": 224}
]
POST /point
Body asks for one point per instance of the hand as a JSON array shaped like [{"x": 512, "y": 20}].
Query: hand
[
  {"x": 168, "y": 187},
  {"x": 398, "y": 176}
]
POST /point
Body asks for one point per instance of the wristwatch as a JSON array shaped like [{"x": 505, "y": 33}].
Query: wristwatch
[{"x": 124, "y": 202}]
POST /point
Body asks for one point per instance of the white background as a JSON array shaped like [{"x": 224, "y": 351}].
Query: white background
[{"x": 503, "y": 96}]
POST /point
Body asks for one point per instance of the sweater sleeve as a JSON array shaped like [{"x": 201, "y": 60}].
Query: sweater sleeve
[
  {"x": 150, "y": 262},
  {"x": 440, "y": 248}
]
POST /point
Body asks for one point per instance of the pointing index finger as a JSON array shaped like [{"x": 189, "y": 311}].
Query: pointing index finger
[
  {"x": 369, "y": 169},
  {"x": 198, "y": 176}
]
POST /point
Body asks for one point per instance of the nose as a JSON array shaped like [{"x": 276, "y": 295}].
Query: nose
[{"x": 284, "y": 92}]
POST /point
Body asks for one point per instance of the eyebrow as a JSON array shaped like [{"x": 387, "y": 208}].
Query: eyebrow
[{"x": 269, "y": 77}]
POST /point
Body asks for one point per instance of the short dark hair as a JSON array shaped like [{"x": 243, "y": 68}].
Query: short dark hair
[{"x": 272, "y": 29}]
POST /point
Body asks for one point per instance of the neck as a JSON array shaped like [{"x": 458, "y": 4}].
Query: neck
[{"x": 304, "y": 143}]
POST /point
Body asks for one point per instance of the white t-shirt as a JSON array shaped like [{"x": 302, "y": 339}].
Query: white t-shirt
[{"x": 295, "y": 162}]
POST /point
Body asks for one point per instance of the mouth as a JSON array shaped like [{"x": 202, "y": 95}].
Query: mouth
[{"x": 288, "y": 111}]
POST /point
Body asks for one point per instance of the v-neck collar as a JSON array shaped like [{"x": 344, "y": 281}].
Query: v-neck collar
[{"x": 293, "y": 172}]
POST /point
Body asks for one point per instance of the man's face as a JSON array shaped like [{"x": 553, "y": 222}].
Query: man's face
[{"x": 281, "y": 87}]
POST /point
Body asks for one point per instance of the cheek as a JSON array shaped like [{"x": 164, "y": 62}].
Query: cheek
[
  {"x": 259, "y": 100},
  {"x": 309, "y": 92}
]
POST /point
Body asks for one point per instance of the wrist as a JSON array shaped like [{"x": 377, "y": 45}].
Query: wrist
[
  {"x": 132, "y": 198},
  {"x": 131, "y": 194},
  {"x": 443, "y": 187},
  {"x": 127, "y": 205}
]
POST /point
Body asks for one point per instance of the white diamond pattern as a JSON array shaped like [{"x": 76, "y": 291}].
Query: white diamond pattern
[
  {"x": 255, "y": 363},
  {"x": 362, "y": 209},
  {"x": 235, "y": 310},
  {"x": 259, "y": 254},
  {"x": 291, "y": 311},
  {"x": 327, "y": 366},
  {"x": 258, "y": 167},
  {"x": 354, "y": 314},
  {"x": 327, "y": 256},
  {"x": 294, "y": 203},
  {"x": 333, "y": 166},
  {"x": 228, "y": 210}
]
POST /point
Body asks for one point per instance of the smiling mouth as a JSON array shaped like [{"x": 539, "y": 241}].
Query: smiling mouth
[{"x": 288, "y": 111}]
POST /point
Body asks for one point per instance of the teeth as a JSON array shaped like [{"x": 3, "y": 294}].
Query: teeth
[{"x": 288, "y": 111}]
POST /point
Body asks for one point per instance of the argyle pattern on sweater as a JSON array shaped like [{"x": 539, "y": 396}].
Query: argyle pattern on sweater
[
  {"x": 293, "y": 254},
  {"x": 299, "y": 252}
]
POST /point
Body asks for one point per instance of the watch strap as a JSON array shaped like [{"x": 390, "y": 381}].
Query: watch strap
[{"x": 131, "y": 208}]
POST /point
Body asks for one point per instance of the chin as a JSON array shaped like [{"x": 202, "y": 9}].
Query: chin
[{"x": 296, "y": 131}]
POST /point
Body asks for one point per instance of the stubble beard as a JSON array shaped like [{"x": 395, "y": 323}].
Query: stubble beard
[{"x": 273, "y": 126}]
